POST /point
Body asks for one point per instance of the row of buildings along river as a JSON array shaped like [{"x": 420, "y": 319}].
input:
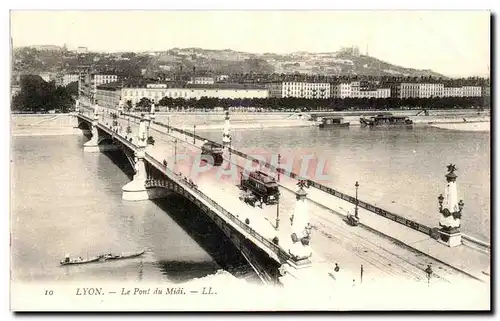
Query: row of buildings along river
[{"x": 109, "y": 89}]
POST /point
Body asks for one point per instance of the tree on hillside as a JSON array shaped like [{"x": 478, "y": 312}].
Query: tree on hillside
[
  {"x": 72, "y": 88},
  {"x": 37, "y": 95}
]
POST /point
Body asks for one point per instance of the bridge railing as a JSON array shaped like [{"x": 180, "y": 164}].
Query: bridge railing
[
  {"x": 369, "y": 207},
  {"x": 273, "y": 247}
]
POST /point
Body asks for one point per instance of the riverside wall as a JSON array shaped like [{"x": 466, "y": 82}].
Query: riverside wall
[
  {"x": 61, "y": 124},
  {"x": 43, "y": 125},
  {"x": 255, "y": 120}
]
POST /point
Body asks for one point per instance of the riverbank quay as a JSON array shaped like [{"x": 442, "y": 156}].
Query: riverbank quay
[
  {"x": 447, "y": 264},
  {"x": 62, "y": 124},
  {"x": 43, "y": 125},
  {"x": 240, "y": 121}
]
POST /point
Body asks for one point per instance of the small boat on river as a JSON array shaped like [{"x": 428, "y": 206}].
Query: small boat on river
[
  {"x": 332, "y": 122},
  {"x": 386, "y": 120},
  {"x": 121, "y": 256},
  {"x": 79, "y": 260},
  {"x": 101, "y": 258}
]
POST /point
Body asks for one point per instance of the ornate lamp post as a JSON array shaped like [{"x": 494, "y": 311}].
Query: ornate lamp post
[
  {"x": 168, "y": 124},
  {"x": 278, "y": 212},
  {"x": 356, "y": 208},
  {"x": 194, "y": 134},
  {"x": 143, "y": 135},
  {"x": 450, "y": 209},
  {"x": 175, "y": 151},
  {"x": 279, "y": 169}
]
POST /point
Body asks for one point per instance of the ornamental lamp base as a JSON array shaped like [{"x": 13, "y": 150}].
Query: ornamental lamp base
[{"x": 450, "y": 238}]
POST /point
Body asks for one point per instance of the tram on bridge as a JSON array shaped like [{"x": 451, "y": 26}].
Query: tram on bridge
[{"x": 260, "y": 186}]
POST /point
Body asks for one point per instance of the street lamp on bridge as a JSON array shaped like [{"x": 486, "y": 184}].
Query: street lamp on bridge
[
  {"x": 279, "y": 169},
  {"x": 278, "y": 212},
  {"x": 175, "y": 151},
  {"x": 194, "y": 134},
  {"x": 356, "y": 208}
]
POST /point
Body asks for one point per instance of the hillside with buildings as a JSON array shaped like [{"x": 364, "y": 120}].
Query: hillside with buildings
[
  {"x": 344, "y": 62},
  {"x": 195, "y": 76}
]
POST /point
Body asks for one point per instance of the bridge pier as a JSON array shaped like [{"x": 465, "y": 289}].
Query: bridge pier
[
  {"x": 92, "y": 146},
  {"x": 96, "y": 144},
  {"x": 136, "y": 189}
]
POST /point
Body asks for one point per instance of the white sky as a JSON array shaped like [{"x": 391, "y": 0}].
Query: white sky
[{"x": 454, "y": 43}]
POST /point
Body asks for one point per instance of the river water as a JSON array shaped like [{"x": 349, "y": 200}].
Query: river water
[
  {"x": 68, "y": 201},
  {"x": 398, "y": 169}
]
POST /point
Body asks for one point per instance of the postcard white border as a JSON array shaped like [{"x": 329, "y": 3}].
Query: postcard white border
[{"x": 256, "y": 4}]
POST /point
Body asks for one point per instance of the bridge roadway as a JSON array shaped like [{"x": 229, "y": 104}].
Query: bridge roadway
[
  {"x": 217, "y": 210},
  {"x": 332, "y": 241}
]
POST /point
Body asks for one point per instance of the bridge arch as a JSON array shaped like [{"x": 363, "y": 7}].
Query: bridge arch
[
  {"x": 239, "y": 240},
  {"x": 84, "y": 125},
  {"x": 106, "y": 140}
]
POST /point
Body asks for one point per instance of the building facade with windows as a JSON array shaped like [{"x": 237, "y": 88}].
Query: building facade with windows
[
  {"x": 308, "y": 90},
  {"x": 92, "y": 81},
  {"x": 359, "y": 90},
  {"x": 156, "y": 94},
  {"x": 417, "y": 90},
  {"x": 453, "y": 92},
  {"x": 430, "y": 90},
  {"x": 275, "y": 89},
  {"x": 98, "y": 79},
  {"x": 472, "y": 91},
  {"x": 202, "y": 80},
  {"x": 407, "y": 90},
  {"x": 108, "y": 95},
  {"x": 342, "y": 90},
  {"x": 486, "y": 91},
  {"x": 373, "y": 93},
  {"x": 66, "y": 79}
]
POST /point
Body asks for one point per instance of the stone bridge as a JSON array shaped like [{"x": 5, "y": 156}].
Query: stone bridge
[{"x": 153, "y": 179}]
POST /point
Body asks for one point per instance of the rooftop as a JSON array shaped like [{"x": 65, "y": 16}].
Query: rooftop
[
  {"x": 111, "y": 85},
  {"x": 225, "y": 86}
]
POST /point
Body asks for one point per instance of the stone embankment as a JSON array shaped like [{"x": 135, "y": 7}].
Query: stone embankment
[
  {"x": 240, "y": 120},
  {"x": 61, "y": 124},
  {"x": 43, "y": 125}
]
